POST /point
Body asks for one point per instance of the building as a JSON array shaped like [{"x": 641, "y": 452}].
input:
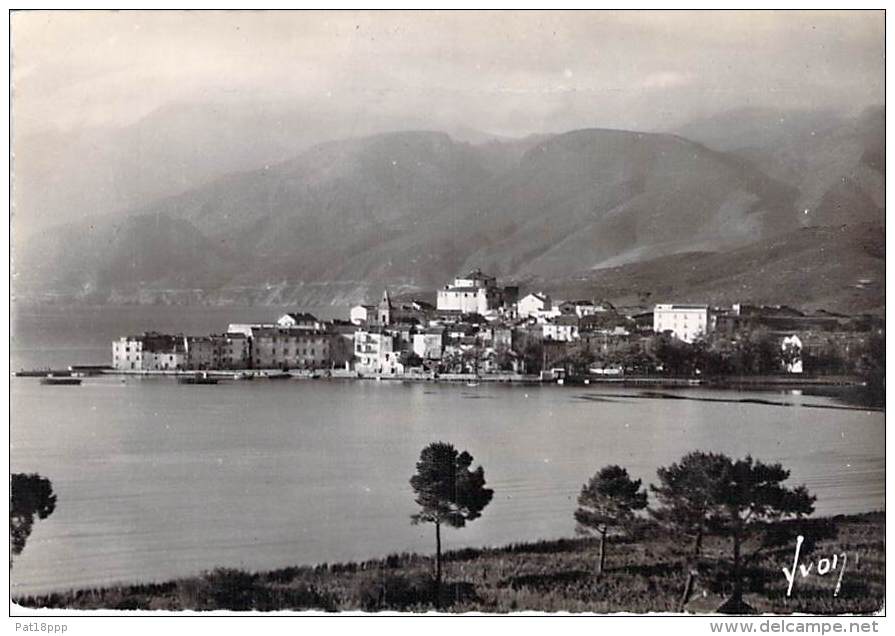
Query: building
[
  {"x": 429, "y": 344},
  {"x": 341, "y": 342},
  {"x": 791, "y": 346},
  {"x": 150, "y": 351},
  {"x": 684, "y": 322},
  {"x": 162, "y": 352},
  {"x": 778, "y": 318},
  {"x": 127, "y": 353},
  {"x": 561, "y": 328},
  {"x": 538, "y": 306},
  {"x": 374, "y": 352},
  {"x": 200, "y": 353},
  {"x": 232, "y": 351},
  {"x": 582, "y": 308},
  {"x": 360, "y": 314},
  {"x": 246, "y": 328},
  {"x": 384, "y": 310},
  {"x": 475, "y": 293},
  {"x": 300, "y": 321},
  {"x": 290, "y": 348},
  {"x": 497, "y": 336}
]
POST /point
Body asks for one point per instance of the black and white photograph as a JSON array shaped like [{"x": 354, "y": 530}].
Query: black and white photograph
[{"x": 403, "y": 313}]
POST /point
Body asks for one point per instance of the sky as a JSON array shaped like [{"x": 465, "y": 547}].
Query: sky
[{"x": 508, "y": 73}]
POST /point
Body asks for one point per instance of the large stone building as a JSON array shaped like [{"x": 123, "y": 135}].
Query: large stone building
[
  {"x": 476, "y": 293},
  {"x": 200, "y": 352},
  {"x": 290, "y": 348},
  {"x": 232, "y": 351},
  {"x": 684, "y": 322}
]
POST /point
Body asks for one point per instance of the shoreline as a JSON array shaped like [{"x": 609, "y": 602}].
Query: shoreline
[
  {"x": 757, "y": 381},
  {"x": 645, "y": 574}
]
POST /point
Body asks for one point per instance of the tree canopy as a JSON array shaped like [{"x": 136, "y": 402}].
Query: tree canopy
[
  {"x": 31, "y": 495},
  {"x": 447, "y": 491},
  {"x": 609, "y": 499},
  {"x": 686, "y": 493}
]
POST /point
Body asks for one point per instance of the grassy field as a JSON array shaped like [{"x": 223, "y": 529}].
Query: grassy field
[{"x": 643, "y": 575}]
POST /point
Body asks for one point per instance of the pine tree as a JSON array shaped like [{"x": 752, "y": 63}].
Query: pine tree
[
  {"x": 447, "y": 491},
  {"x": 608, "y": 500}
]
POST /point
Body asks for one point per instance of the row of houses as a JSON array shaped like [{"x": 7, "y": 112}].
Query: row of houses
[
  {"x": 295, "y": 341},
  {"x": 475, "y": 322}
]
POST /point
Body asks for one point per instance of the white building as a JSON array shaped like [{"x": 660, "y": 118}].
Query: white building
[
  {"x": 246, "y": 328},
  {"x": 360, "y": 314},
  {"x": 534, "y": 304},
  {"x": 792, "y": 344},
  {"x": 582, "y": 308},
  {"x": 150, "y": 351},
  {"x": 374, "y": 352},
  {"x": 476, "y": 293},
  {"x": 127, "y": 353},
  {"x": 685, "y": 322},
  {"x": 300, "y": 321},
  {"x": 429, "y": 344},
  {"x": 561, "y": 329}
]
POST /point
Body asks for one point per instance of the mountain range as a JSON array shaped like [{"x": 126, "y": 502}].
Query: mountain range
[{"x": 749, "y": 206}]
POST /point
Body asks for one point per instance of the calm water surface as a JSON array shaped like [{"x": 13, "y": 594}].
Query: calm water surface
[{"x": 157, "y": 480}]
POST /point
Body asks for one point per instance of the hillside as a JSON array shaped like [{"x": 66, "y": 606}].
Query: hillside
[
  {"x": 840, "y": 269},
  {"x": 341, "y": 220},
  {"x": 836, "y": 163}
]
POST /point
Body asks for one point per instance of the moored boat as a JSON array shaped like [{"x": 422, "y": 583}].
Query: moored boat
[
  {"x": 60, "y": 381},
  {"x": 196, "y": 379}
]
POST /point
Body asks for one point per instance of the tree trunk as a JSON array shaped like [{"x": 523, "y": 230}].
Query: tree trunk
[
  {"x": 688, "y": 589},
  {"x": 602, "y": 552},
  {"x": 737, "y": 584},
  {"x": 437, "y": 560},
  {"x": 697, "y": 545}
]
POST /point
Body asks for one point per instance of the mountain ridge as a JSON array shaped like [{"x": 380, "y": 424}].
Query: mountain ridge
[{"x": 409, "y": 209}]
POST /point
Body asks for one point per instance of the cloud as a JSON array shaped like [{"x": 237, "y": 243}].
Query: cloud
[{"x": 520, "y": 71}]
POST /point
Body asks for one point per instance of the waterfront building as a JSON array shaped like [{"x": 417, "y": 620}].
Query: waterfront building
[
  {"x": 374, "y": 352},
  {"x": 200, "y": 352},
  {"x": 162, "y": 352},
  {"x": 150, "y": 351},
  {"x": 290, "y": 348},
  {"x": 127, "y": 353},
  {"x": 684, "y": 322},
  {"x": 232, "y": 351},
  {"x": 341, "y": 342}
]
